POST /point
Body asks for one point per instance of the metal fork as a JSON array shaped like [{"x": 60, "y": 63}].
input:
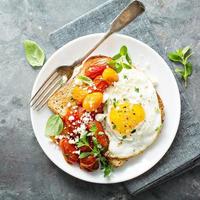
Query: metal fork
[{"x": 63, "y": 73}]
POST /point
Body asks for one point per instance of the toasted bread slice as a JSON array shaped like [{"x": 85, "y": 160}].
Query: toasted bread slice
[{"x": 59, "y": 100}]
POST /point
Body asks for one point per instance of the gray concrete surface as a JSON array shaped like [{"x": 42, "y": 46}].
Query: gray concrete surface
[{"x": 25, "y": 172}]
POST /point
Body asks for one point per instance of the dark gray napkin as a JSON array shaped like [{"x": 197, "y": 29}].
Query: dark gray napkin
[{"x": 185, "y": 150}]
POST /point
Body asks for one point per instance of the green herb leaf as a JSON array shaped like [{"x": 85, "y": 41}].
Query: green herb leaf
[
  {"x": 34, "y": 53},
  {"x": 124, "y": 137},
  {"x": 179, "y": 70},
  {"x": 182, "y": 56},
  {"x": 83, "y": 141},
  {"x": 123, "y": 50},
  {"x": 173, "y": 56},
  {"x": 185, "y": 50},
  {"x": 128, "y": 59},
  {"x": 125, "y": 76},
  {"x": 54, "y": 126},
  {"x": 117, "y": 56},
  {"x": 189, "y": 69},
  {"x": 126, "y": 66},
  {"x": 93, "y": 128},
  {"x": 118, "y": 67},
  {"x": 84, "y": 154},
  {"x": 137, "y": 89},
  {"x": 105, "y": 166},
  {"x": 85, "y": 79},
  {"x": 111, "y": 63}
]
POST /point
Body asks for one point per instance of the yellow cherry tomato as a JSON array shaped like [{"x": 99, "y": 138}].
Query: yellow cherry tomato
[
  {"x": 110, "y": 75},
  {"x": 79, "y": 94},
  {"x": 92, "y": 101}
]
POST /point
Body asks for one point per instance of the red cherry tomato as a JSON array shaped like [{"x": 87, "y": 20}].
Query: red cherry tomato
[
  {"x": 89, "y": 163},
  {"x": 100, "y": 84},
  {"x": 68, "y": 151},
  {"x": 94, "y": 71},
  {"x": 101, "y": 138},
  {"x": 72, "y": 118}
]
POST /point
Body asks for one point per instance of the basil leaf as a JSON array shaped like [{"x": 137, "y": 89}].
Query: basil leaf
[
  {"x": 84, "y": 154},
  {"x": 126, "y": 66},
  {"x": 189, "y": 69},
  {"x": 185, "y": 50},
  {"x": 174, "y": 57},
  {"x": 34, "y": 53},
  {"x": 128, "y": 59},
  {"x": 85, "y": 79},
  {"x": 54, "y": 126},
  {"x": 118, "y": 68},
  {"x": 123, "y": 50},
  {"x": 117, "y": 56}
]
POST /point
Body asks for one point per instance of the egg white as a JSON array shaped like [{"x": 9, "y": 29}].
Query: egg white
[{"x": 148, "y": 130}]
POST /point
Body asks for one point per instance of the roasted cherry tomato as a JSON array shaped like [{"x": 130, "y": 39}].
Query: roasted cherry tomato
[
  {"x": 100, "y": 84},
  {"x": 94, "y": 71},
  {"x": 72, "y": 118},
  {"x": 102, "y": 138},
  {"x": 68, "y": 151},
  {"x": 110, "y": 75},
  {"x": 79, "y": 94},
  {"x": 89, "y": 163},
  {"x": 92, "y": 101}
]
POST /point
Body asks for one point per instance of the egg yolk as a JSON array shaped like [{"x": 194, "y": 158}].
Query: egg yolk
[{"x": 125, "y": 117}]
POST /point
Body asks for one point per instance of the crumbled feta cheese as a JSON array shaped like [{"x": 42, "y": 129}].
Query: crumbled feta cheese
[
  {"x": 100, "y": 117},
  {"x": 77, "y": 152},
  {"x": 68, "y": 104},
  {"x": 60, "y": 137},
  {"x": 71, "y": 118},
  {"x": 71, "y": 141}
]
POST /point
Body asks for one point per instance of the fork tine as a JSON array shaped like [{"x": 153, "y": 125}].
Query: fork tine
[
  {"x": 42, "y": 87},
  {"x": 47, "y": 92},
  {"x": 42, "y": 104}
]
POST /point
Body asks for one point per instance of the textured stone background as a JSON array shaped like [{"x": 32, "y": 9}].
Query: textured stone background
[{"x": 25, "y": 172}]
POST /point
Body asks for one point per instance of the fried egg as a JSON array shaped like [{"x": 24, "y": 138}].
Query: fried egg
[{"x": 133, "y": 119}]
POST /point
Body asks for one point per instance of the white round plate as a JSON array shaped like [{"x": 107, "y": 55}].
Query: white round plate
[{"x": 143, "y": 57}]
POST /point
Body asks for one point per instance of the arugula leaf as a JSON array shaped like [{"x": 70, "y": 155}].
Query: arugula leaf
[
  {"x": 84, "y": 154},
  {"x": 85, "y": 79},
  {"x": 182, "y": 55},
  {"x": 35, "y": 55},
  {"x": 123, "y": 50},
  {"x": 54, "y": 126}
]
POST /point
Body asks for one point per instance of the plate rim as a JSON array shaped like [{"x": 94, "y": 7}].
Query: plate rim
[{"x": 46, "y": 67}]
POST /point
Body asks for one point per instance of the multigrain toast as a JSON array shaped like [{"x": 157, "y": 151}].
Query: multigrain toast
[{"x": 58, "y": 101}]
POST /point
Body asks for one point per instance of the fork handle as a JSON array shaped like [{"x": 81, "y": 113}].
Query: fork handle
[{"x": 132, "y": 11}]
